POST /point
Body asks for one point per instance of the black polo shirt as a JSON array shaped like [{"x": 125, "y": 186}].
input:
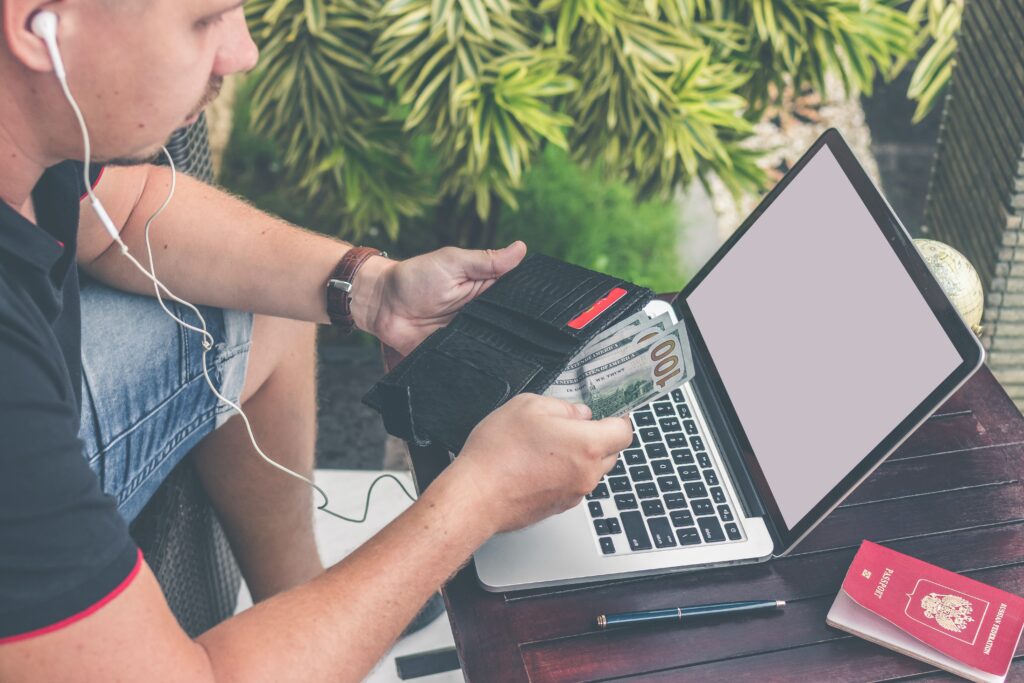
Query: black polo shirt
[{"x": 64, "y": 548}]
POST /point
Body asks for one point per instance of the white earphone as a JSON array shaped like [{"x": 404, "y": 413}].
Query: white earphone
[{"x": 44, "y": 25}]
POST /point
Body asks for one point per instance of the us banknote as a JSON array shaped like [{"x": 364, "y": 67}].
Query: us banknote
[{"x": 639, "y": 359}]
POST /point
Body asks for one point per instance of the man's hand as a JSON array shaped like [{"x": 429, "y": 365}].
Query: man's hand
[
  {"x": 402, "y": 303},
  {"x": 550, "y": 448}
]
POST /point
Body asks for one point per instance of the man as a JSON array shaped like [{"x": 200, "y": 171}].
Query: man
[{"x": 89, "y": 424}]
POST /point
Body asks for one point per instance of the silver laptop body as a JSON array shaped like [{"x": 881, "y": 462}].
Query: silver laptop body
[{"x": 821, "y": 343}]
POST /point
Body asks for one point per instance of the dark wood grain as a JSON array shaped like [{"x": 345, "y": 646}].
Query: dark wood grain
[
  {"x": 602, "y": 654},
  {"x": 952, "y": 494},
  {"x": 849, "y": 659}
]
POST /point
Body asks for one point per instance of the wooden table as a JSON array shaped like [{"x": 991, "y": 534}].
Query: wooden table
[{"x": 951, "y": 495}]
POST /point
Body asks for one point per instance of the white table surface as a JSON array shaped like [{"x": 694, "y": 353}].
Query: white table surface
[{"x": 336, "y": 539}]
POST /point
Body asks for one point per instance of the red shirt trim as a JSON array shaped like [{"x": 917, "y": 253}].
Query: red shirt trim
[
  {"x": 84, "y": 613},
  {"x": 86, "y": 194}
]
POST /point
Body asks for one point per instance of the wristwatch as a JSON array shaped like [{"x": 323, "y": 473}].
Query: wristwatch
[{"x": 339, "y": 286}]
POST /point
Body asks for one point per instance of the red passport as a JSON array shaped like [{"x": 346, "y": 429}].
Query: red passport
[{"x": 956, "y": 623}]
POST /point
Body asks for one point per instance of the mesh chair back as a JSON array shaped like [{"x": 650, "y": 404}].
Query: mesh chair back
[
  {"x": 976, "y": 192},
  {"x": 190, "y": 149}
]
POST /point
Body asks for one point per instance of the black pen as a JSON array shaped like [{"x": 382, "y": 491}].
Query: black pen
[{"x": 678, "y": 613}]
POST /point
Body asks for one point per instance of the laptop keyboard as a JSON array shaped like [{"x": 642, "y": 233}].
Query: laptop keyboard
[{"x": 664, "y": 491}]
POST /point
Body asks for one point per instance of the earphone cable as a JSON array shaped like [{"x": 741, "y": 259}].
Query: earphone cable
[{"x": 208, "y": 340}]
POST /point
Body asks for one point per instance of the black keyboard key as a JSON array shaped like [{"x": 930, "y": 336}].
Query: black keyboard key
[
  {"x": 661, "y": 531},
  {"x": 691, "y": 427},
  {"x": 687, "y": 536},
  {"x": 656, "y": 450},
  {"x": 635, "y": 457},
  {"x": 625, "y": 501},
  {"x": 640, "y": 473},
  {"x": 710, "y": 530},
  {"x": 687, "y": 473},
  {"x": 664, "y": 409},
  {"x": 643, "y": 419},
  {"x": 667, "y": 484},
  {"x": 619, "y": 484},
  {"x": 601, "y": 491},
  {"x": 636, "y": 441},
  {"x": 717, "y": 495},
  {"x": 724, "y": 513},
  {"x": 710, "y": 477},
  {"x": 648, "y": 434},
  {"x": 697, "y": 443},
  {"x": 733, "y": 532},
  {"x": 704, "y": 460},
  {"x": 681, "y": 518},
  {"x": 695, "y": 489},
  {"x": 677, "y": 440},
  {"x": 652, "y": 508},
  {"x": 636, "y": 530},
  {"x": 662, "y": 467},
  {"x": 613, "y": 525},
  {"x": 647, "y": 490},
  {"x": 677, "y": 395},
  {"x": 618, "y": 470},
  {"x": 702, "y": 506},
  {"x": 684, "y": 411},
  {"x": 682, "y": 456},
  {"x": 595, "y": 509},
  {"x": 669, "y": 424},
  {"x": 674, "y": 501},
  {"x": 607, "y": 545},
  {"x": 601, "y": 527}
]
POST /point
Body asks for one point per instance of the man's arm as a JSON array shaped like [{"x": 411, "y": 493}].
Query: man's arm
[
  {"x": 212, "y": 248},
  {"x": 209, "y": 247},
  {"x": 334, "y": 628},
  {"x": 337, "y": 626}
]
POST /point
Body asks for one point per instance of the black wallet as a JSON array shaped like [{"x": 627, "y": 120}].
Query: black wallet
[{"x": 515, "y": 337}]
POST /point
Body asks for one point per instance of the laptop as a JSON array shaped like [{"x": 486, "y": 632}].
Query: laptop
[{"x": 820, "y": 341}]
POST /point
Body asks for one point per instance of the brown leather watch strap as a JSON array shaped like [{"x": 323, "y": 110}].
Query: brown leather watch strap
[{"x": 339, "y": 286}]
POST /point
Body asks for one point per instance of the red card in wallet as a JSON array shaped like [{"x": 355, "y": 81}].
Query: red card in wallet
[{"x": 956, "y": 623}]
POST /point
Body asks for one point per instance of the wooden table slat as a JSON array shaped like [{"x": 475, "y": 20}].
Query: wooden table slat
[
  {"x": 599, "y": 655},
  {"x": 844, "y": 659},
  {"x": 925, "y": 514},
  {"x": 942, "y": 472}
]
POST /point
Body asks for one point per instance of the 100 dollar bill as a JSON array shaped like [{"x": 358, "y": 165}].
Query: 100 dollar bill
[
  {"x": 646, "y": 371},
  {"x": 621, "y": 376},
  {"x": 622, "y": 336}
]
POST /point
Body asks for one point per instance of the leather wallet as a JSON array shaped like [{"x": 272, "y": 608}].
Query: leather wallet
[{"x": 515, "y": 337}]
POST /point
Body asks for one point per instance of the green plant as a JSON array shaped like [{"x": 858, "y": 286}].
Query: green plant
[
  {"x": 941, "y": 21},
  {"x": 581, "y": 216},
  {"x": 657, "y": 92}
]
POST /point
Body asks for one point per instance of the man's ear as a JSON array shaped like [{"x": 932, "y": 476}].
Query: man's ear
[{"x": 25, "y": 46}]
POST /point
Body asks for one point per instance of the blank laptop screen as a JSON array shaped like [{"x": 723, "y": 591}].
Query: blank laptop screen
[{"x": 822, "y": 340}]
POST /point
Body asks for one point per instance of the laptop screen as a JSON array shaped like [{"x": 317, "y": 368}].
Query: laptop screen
[{"x": 821, "y": 338}]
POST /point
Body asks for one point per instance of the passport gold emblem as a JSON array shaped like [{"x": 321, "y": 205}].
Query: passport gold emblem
[
  {"x": 951, "y": 612},
  {"x": 866, "y": 574}
]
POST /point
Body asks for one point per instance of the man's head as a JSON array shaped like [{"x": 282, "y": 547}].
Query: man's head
[{"x": 139, "y": 69}]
